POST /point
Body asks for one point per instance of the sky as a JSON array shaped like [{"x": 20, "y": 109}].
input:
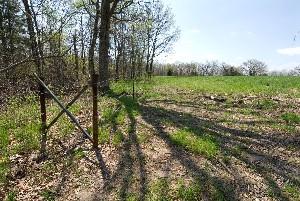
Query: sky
[{"x": 234, "y": 31}]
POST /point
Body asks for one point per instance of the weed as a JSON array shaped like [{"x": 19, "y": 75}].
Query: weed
[
  {"x": 79, "y": 153},
  {"x": 104, "y": 134},
  {"x": 189, "y": 193},
  {"x": 292, "y": 190},
  {"x": 265, "y": 104},
  {"x": 48, "y": 195},
  {"x": 291, "y": 118},
  {"x": 132, "y": 197},
  {"x": 142, "y": 138},
  {"x": 11, "y": 196},
  {"x": 118, "y": 138}
]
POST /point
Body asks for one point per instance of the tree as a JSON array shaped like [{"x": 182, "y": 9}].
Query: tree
[
  {"x": 108, "y": 9},
  {"x": 229, "y": 70},
  {"x": 12, "y": 40},
  {"x": 295, "y": 71},
  {"x": 161, "y": 32},
  {"x": 254, "y": 67}
]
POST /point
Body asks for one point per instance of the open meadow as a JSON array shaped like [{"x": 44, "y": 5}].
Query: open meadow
[{"x": 181, "y": 138}]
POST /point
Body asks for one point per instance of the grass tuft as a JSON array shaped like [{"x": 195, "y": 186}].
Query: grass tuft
[
  {"x": 189, "y": 193},
  {"x": 199, "y": 144},
  {"x": 159, "y": 190},
  {"x": 291, "y": 118},
  {"x": 292, "y": 191}
]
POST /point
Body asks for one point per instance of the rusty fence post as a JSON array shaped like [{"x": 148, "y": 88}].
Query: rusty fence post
[
  {"x": 95, "y": 78},
  {"x": 42, "y": 97}
]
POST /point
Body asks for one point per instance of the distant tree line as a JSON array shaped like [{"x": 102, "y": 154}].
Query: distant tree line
[{"x": 251, "y": 67}]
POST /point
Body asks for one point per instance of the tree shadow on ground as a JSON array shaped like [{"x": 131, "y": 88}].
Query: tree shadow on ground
[
  {"x": 222, "y": 189},
  {"x": 69, "y": 154},
  {"x": 131, "y": 164},
  {"x": 266, "y": 166},
  {"x": 66, "y": 170}
]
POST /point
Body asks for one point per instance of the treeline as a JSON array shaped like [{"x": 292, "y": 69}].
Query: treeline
[
  {"x": 251, "y": 67},
  {"x": 67, "y": 42}
]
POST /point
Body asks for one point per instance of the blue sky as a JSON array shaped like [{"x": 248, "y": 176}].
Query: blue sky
[{"x": 234, "y": 31}]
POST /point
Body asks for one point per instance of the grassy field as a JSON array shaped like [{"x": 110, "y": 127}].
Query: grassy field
[
  {"x": 183, "y": 138},
  {"x": 235, "y": 85}
]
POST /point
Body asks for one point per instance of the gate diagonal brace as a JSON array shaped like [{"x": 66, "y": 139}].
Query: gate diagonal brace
[
  {"x": 64, "y": 109},
  {"x": 67, "y": 107}
]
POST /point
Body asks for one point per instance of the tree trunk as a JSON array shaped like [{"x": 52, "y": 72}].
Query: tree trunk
[
  {"x": 76, "y": 56},
  {"x": 82, "y": 48},
  {"x": 104, "y": 45}
]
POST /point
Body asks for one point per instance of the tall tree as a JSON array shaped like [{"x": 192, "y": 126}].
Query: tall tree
[
  {"x": 12, "y": 40},
  {"x": 161, "y": 32}
]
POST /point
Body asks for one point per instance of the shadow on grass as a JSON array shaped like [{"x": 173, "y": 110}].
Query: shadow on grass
[
  {"x": 217, "y": 188},
  {"x": 67, "y": 169},
  {"x": 130, "y": 177},
  {"x": 131, "y": 166},
  {"x": 264, "y": 166}
]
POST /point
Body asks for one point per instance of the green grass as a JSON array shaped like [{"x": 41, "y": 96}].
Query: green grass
[
  {"x": 11, "y": 196},
  {"x": 79, "y": 153},
  {"x": 19, "y": 131},
  {"x": 162, "y": 190},
  {"x": 118, "y": 138},
  {"x": 48, "y": 195},
  {"x": 265, "y": 104},
  {"x": 291, "y": 118},
  {"x": 191, "y": 192},
  {"x": 20, "y": 124},
  {"x": 234, "y": 85},
  {"x": 195, "y": 142},
  {"x": 292, "y": 191},
  {"x": 159, "y": 190}
]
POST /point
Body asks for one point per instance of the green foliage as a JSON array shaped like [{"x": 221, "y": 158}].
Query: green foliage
[
  {"x": 189, "y": 193},
  {"x": 291, "y": 118},
  {"x": 195, "y": 142},
  {"x": 131, "y": 106},
  {"x": 292, "y": 190},
  {"x": 159, "y": 191},
  {"x": 142, "y": 138},
  {"x": 48, "y": 195},
  {"x": 113, "y": 116},
  {"x": 118, "y": 138},
  {"x": 132, "y": 197},
  {"x": 104, "y": 133},
  {"x": 11, "y": 196},
  {"x": 79, "y": 153},
  {"x": 265, "y": 104},
  {"x": 169, "y": 72},
  {"x": 19, "y": 130}
]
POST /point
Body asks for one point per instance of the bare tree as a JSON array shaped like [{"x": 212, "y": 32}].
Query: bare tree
[
  {"x": 295, "y": 71},
  {"x": 161, "y": 32},
  {"x": 254, "y": 67}
]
